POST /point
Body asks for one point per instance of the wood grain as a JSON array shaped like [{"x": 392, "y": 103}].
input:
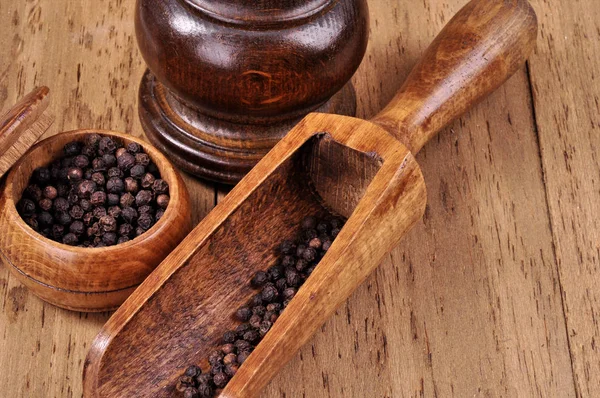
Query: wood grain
[
  {"x": 566, "y": 94},
  {"x": 470, "y": 304}
]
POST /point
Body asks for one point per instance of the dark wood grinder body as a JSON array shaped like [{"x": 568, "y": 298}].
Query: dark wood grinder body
[{"x": 228, "y": 79}]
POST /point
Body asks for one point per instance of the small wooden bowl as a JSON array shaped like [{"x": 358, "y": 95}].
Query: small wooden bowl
[{"x": 86, "y": 279}]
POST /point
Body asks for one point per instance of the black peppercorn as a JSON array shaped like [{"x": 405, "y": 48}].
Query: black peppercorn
[
  {"x": 99, "y": 212},
  {"x": 115, "y": 185},
  {"x": 162, "y": 201},
  {"x": 62, "y": 217},
  {"x": 310, "y": 234},
  {"x": 81, "y": 161},
  {"x": 114, "y": 172},
  {"x": 215, "y": 357},
  {"x": 76, "y": 212},
  {"x": 123, "y": 239},
  {"x": 281, "y": 284},
  {"x": 126, "y": 161},
  {"x": 98, "y": 198},
  {"x": 70, "y": 239},
  {"x": 61, "y": 204},
  {"x": 159, "y": 214},
  {"x": 315, "y": 243},
  {"x": 98, "y": 179},
  {"x": 45, "y": 204},
  {"x": 243, "y": 314},
  {"x": 269, "y": 293},
  {"x": 242, "y": 345},
  {"x": 142, "y": 159},
  {"x": 309, "y": 222},
  {"x": 126, "y": 230},
  {"x": 255, "y": 321},
  {"x": 256, "y": 300},
  {"x": 259, "y": 310},
  {"x": 288, "y": 261},
  {"x": 301, "y": 265},
  {"x": 220, "y": 379},
  {"x": 137, "y": 171},
  {"x": 120, "y": 151},
  {"x": 274, "y": 307},
  {"x": 300, "y": 250},
  {"x": 193, "y": 371},
  {"x": 264, "y": 327},
  {"x": 42, "y": 175},
  {"x": 114, "y": 211},
  {"x": 77, "y": 228},
  {"x": 143, "y": 198},
  {"x": 241, "y": 329},
  {"x": 57, "y": 232},
  {"x": 50, "y": 192},
  {"x": 34, "y": 193},
  {"x": 108, "y": 223},
  {"x": 72, "y": 148},
  {"x": 292, "y": 277},
  {"x": 109, "y": 238},
  {"x": 131, "y": 185},
  {"x": 88, "y": 151},
  {"x": 147, "y": 180},
  {"x": 287, "y": 247},
  {"x": 109, "y": 159},
  {"x": 275, "y": 272},
  {"x": 229, "y": 358},
  {"x": 145, "y": 221},
  {"x": 289, "y": 293},
  {"x": 190, "y": 392},
  {"x": 133, "y": 147},
  {"x": 86, "y": 188},
  {"x": 106, "y": 145},
  {"x": 270, "y": 316},
  {"x": 335, "y": 232},
  {"x": 145, "y": 209},
  {"x": 45, "y": 219},
  {"x": 229, "y": 336},
  {"x": 259, "y": 279},
  {"x": 310, "y": 254},
  {"x": 326, "y": 245},
  {"x": 129, "y": 214},
  {"x": 204, "y": 390},
  {"x": 127, "y": 200},
  {"x": 88, "y": 219},
  {"x": 32, "y": 222},
  {"x": 242, "y": 356},
  {"x": 73, "y": 198},
  {"x": 160, "y": 186},
  {"x": 113, "y": 199},
  {"x": 98, "y": 165},
  {"x": 252, "y": 336}
]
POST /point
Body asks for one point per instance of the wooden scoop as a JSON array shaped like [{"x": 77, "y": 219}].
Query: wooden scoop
[{"x": 362, "y": 170}]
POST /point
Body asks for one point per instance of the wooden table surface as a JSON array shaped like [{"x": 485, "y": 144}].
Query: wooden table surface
[{"x": 496, "y": 293}]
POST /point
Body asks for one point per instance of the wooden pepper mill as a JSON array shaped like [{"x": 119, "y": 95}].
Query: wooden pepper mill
[{"x": 228, "y": 79}]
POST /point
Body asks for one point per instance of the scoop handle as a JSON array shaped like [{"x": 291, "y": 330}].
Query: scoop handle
[{"x": 477, "y": 51}]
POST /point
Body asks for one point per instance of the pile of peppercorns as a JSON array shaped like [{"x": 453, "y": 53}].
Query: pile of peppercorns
[
  {"x": 278, "y": 285},
  {"x": 99, "y": 193}
]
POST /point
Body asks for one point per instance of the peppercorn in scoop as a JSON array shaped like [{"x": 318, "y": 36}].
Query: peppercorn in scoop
[
  {"x": 276, "y": 287},
  {"x": 98, "y": 193}
]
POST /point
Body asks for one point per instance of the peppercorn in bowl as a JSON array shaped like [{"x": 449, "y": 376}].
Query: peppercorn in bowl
[{"x": 88, "y": 214}]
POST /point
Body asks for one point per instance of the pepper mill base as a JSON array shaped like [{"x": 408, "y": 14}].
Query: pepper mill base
[{"x": 216, "y": 149}]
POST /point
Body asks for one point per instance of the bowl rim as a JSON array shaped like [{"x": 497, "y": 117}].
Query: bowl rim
[{"x": 175, "y": 188}]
